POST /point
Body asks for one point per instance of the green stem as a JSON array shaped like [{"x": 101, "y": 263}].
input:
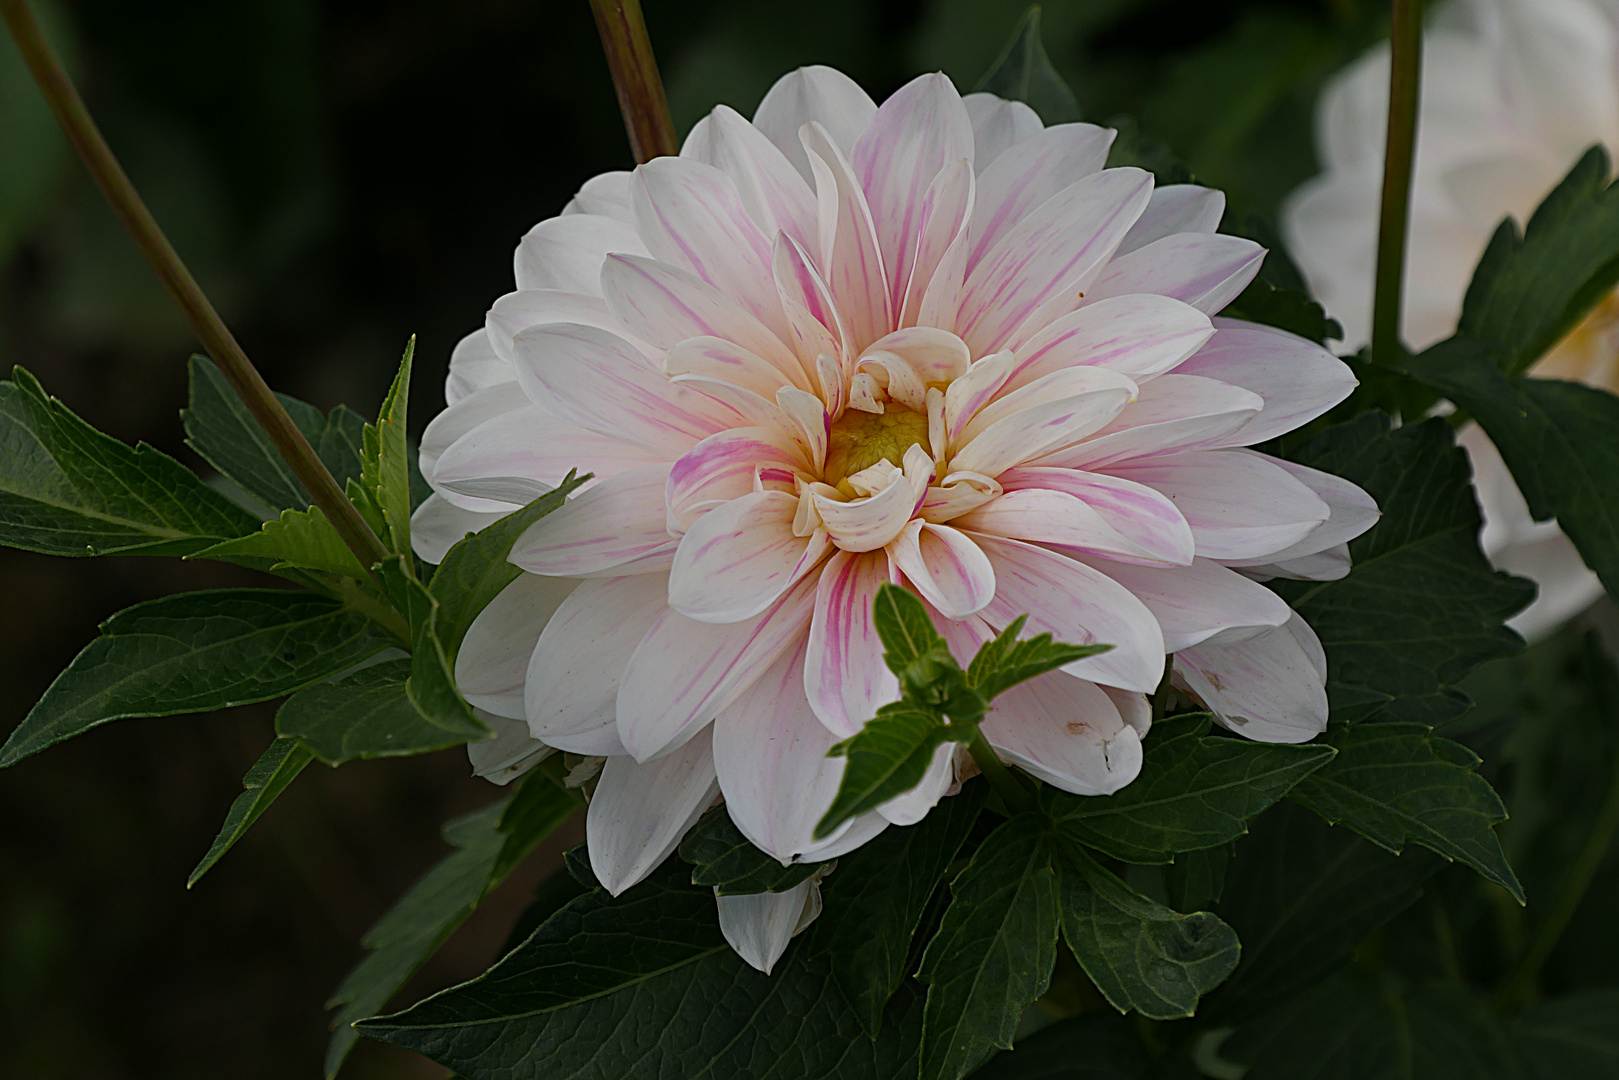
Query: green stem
[
  {"x": 1018, "y": 799},
  {"x": 1405, "y": 77},
  {"x": 635, "y": 76},
  {"x": 205, "y": 322}
]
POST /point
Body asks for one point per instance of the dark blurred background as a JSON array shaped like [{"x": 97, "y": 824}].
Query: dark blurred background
[{"x": 341, "y": 175}]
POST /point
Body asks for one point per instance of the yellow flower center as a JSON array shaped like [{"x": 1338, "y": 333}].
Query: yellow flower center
[{"x": 860, "y": 440}]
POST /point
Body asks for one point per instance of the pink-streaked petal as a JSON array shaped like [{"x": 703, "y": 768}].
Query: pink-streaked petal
[
  {"x": 849, "y": 248},
  {"x": 822, "y": 94},
  {"x": 491, "y": 666},
  {"x": 1137, "y": 336},
  {"x": 465, "y": 414},
  {"x": 845, "y": 678},
  {"x": 970, "y": 393},
  {"x": 759, "y": 926},
  {"x": 811, "y": 426},
  {"x": 998, "y": 125},
  {"x": 1064, "y": 383},
  {"x": 948, "y": 569},
  {"x": 517, "y": 311},
  {"x": 935, "y": 355},
  {"x": 1352, "y": 512},
  {"x": 474, "y": 365},
  {"x": 1067, "y": 732},
  {"x": 960, "y": 493},
  {"x": 1201, "y": 604},
  {"x": 746, "y": 408},
  {"x": 1079, "y": 605},
  {"x": 1206, "y": 270},
  {"x": 717, "y": 358},
  {"x": 722, "y": 467},
  {"x": 867, "y": 524},
  {"x": 938, "y": 267},
  {"x": 566, "y": 253},
  {"x": 775, "y": 195},
  {"x": 639, "y": 812},
  {"x": 438, "y": 525},
  {"x": 813, "y": 321},
  {"x": 1028, "y": 174},
  {"x": 585, "y": 376},
  {"x": 738, "y": 559},
  {"x": 1271, "y": 688},
  {"x": 919, "y": 131},
  {"x": 1173, "y": 413},
  {"x": 1175, "y": 208},
  {"x": 691, "y": 217},
  {"x": 507, "y": 756},
  {"x": 1328, "y": 565},
  {"x": 1141, "y": 516},
  {"x": 684, "y": 672},
  {"x": 607, "y": 194},
  {"x": 1298, "y": 379},
  {"x": 530, "y": 444},
  {"x": 1055, "y": 517},
  {"x": 616, "y": 521},
  {"x": 571, "y": 690},
  {"x": 1038, "y": 430},
  {"x": 1240, "y": 505}
]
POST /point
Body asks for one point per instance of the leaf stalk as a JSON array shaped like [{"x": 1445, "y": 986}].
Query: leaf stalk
[
  {"x": 635, "y": 77},
  {"x": 1399, "y": 150},
  {"x": 205, "y": 322},
  {"x": 1018, "y": 799}
]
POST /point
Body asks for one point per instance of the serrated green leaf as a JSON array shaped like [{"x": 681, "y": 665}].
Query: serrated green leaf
[
  {"x": 364, "y": 715},
  {"x": 196, "y": 652},
  {"x": 475, "y": 570},
  {"x": 723, "y": 858},
  {"x": 874, "y": 902},
  {"x": 552, "y": 1008},
  {"x": 1399, "y": 783},
  {"x": 304, "y": 539},
  {"x": 887, "y": 758},
  {"x": 1195, "y": 791},
  {"x": 489, "y": 843},
  {"x": 1422, "y": 606},
  {"x": 1556, "y": 437},
  {"x": 1285, "y": 309},
  {"x": 1005, "y": 661},
  {"x": 278, "y": 767},
  {"x": 67, "y": 489},
  {"x": 1529, "y": 291},
  {"x": 1023, "y": 72},
  {"x": 1140, "y": 954},
  {"x": 903, "y": 626},
  {"x": 1300, "y": 895},
  {"x": 1096, "y": 1046},
  {"x": 1135, "y": 149},
  {"x": 993, "y": 953},
  {"x": 384, "y": 465},
  {"x": 1574, "y": 1037},
  {"x": 338, "y": 436},
  {"x": 431, "y": 687}
]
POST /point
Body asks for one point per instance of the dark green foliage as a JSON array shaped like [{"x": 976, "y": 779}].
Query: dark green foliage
[
  {"x": 1140, "y": 954},
  {"x": 488, "y": 843},
  {"x": 368, "y": 714},
  {"x": 1096, "y": 1046},
  {"x": 266, "y": 780},
  {"x": 298, "y": 538},
  {"x": 1395, "y": 783},
  {"x": 1195, "y": 791},
  {"x": 993, "y": 953},
  {"x": 431, "y": 687},
  {"x": 195, "y": 652},
  {"x": 1422, "y": 607},
  {"x": 384, "y": 480},
  {"x": 723, "y": 858},
  {"x": 1573, "y": 1038},
  {"x": 1007, "y": 660},
  {"x": 1023, "y": 72},
  {"x": 888, "y": 758},
  {"x": 67, "y": 489},
  {"x": 1196, "y": 879}
]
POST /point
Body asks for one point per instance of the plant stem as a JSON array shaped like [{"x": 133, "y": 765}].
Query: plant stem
[
  {"x": 1017, "y": 798},
  {"x": 205, "y": 322},
  {"x": 1405, "y": 77},
  {"x": 635, "y": 76}
]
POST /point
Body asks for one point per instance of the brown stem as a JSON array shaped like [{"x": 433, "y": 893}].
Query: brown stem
[
  {"x": 1405, "y": 79},
  {"x": 205, "y": 322},
  {"x": 635, "y": 76}
]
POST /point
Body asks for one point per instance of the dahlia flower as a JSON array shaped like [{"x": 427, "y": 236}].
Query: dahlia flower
[
  {"x": 933, "y": 343},
  {"x": 1512, "y": 93}
]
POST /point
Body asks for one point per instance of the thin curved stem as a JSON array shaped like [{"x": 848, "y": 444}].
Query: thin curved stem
[
  {"x": 635, "y": 76},
  {"x": 1017, "y": 798},
  {"x": 1405, "y": 78},
  {"x": 205, "y": 322}
]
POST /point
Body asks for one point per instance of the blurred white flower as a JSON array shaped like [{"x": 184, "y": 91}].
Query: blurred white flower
[
  {"x": 933, "y": 343},
  {"x": 1513, "y": 91}
]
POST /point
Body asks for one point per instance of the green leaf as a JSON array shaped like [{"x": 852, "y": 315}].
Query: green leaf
[
  {"x": 222, "y": 431},
  {"x": 1196, "y": 879},
  {"x": 875, "y": 900},
  {"x": 1140, "y": 954},
  {"x": 265, "y": 781},
  {"x": 1095, "y": 1046},
  {"x": 338, "y": 437},
  {"x": 1574, "y": 1037},
  {"x": 1395, "y": 783},
  {"x": 1136, "y": 149},
  {"x": 488, "y": 843},
  {"x": 1023, "y": 72},
  {"x": 67, "y": 489},
  {"x": 1529, "y": 291},
  {"x": 364, "y": 715},
  {"x": 1422, "y": 606},
  {"x": 384, "y": 464},
  {"x": 475, "y": 570},
  {"x": 642, "y": 987},
  {"x": 993, "y": 953},
  {"x": 1005, "y": 661},
  {"x": 304, "y": 539},
  {"x": 723, "y": 858},
  {"x": 431, "y": 687},
  {"x": 888, "y": 757},
  {"x": 1195, "y": 791},
  {"x": 1556, "y": 437},
  {"x": 196, "y": 652},
  {"x": 903, "y": 626},
  {"x": 1300, "y": 895}
]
